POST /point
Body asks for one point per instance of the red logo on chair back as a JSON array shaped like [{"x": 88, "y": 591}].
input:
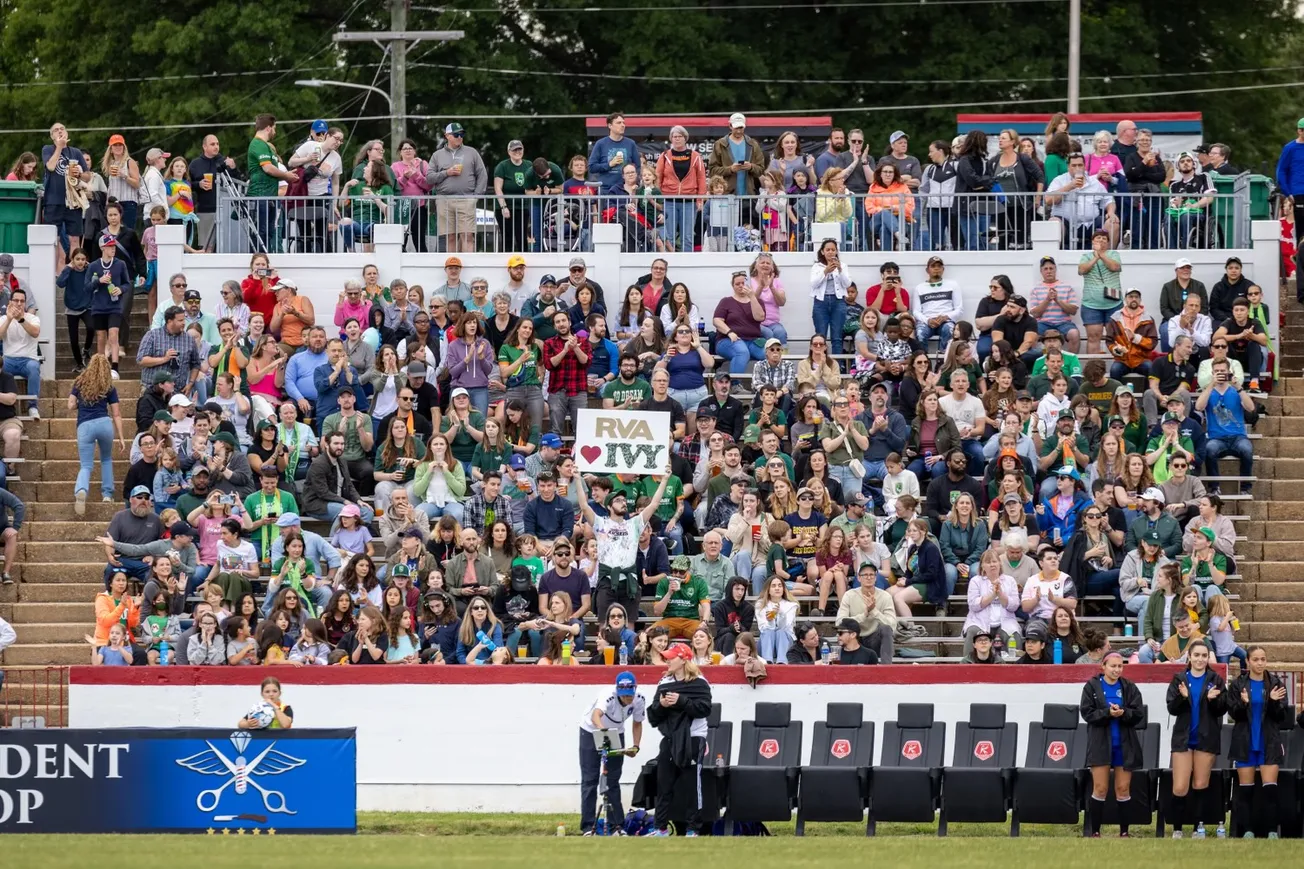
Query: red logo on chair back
[
  {"x": 1057, "y": 751},
  {"x": 983, "y": 750},
  {"x": 912, "y": 749},
  {"x": 840, "y": 748},
  {"x": 769, "y": 748}
]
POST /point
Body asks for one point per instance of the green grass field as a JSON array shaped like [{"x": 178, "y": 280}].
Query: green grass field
[{"x": 472, "y": 840}]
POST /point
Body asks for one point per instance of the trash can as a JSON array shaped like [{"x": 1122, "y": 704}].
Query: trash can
[
  {"x": 1230, "y": 211},
  {"x": 18, "y": 200}
]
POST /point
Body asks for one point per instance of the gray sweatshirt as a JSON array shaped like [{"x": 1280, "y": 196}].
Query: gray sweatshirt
[{"x": 473, "y": 180}]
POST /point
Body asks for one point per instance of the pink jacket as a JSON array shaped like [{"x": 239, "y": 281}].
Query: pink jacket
[
  {"x": 416, "y": 186},
  {"x": 694, "y": 183}
]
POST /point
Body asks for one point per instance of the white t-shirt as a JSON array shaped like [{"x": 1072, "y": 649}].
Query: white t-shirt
[
  {"x": 614, "y": 713},
  {"x": 618, "y": 541},
  {"x": 320, "y": 185},
  {"x": 18, "y": 343},
  {"x": 963, "y": 413},
  {"x": 1058, "y": 587}
]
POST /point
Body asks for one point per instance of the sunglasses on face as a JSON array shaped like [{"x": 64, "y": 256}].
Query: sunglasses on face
[
  {"x": 478, "y": 609},
  {"x": 405, "y": 398},
  {"x": 577, "y": 271},
  {"x": 1092, "y": 515},
  {"x": 806, "y": 498},
  {"x": 180, "y": 286},
  {"x": 1220, "y": 346}
]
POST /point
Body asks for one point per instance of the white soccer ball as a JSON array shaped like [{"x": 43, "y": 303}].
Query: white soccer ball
[{"x": 263, "y": 712}]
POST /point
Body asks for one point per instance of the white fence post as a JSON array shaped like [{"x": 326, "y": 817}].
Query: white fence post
[{"x": 41, "y": 240}]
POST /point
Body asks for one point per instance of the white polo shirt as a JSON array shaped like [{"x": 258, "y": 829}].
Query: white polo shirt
[{"x": 614, "y": 713}]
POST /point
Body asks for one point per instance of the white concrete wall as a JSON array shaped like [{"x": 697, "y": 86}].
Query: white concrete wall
[{"x": 512, "y": 746}]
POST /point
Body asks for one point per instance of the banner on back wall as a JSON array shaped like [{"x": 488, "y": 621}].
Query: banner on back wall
[
  {"x": 178, "y": 781},
  {"x": 622, "y": 441}
]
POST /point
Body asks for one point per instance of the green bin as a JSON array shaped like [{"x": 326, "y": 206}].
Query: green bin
[
  {"x": 1233, "y": 216},
  {"x": 18, "y": 201}
]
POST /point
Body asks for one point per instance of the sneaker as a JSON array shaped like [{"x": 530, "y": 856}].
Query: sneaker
[
  {"x": 816, "y": 612},
  {"x": 1094, "y": 836},
  {"x": 1177, "y": 834},
  {"x": 33, "y": 411},
  {"x": 692, "y": 834},
  {"x": 79, "y": 504},
  {"x": 1125, "y": 835},
  {"x": 107, "y": 499},
  {"x": 660, "y": 834},
  {"x": 587, "y": 833},
  {"x": 7, "y": 579},
  {"x": 113, "y": 374},
  {"x": 620, "y": 833},
  {"x": 1271, "y": 835}
]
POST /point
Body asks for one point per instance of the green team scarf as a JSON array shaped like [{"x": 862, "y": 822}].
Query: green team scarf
[
  {"x": 294, "y": 578},
  {"x": 290, "y": 437}
]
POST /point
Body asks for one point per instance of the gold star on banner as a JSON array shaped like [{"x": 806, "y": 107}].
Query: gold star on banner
[
  {"x": 211, "y": 831},
  {"x": 226, "y": 831},
  {"x": 257, "y": 831},
  {"x": 271, "y": 831},
  {"x": 240, "y": 832}
]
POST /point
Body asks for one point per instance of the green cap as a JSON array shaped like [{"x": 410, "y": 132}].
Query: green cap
[
  {"x": 162, "y": 416},
  {"x": 399, "y": 570},
  {"x": 752, "y": 433},
  {"x": 1208, "y": 533},
  {"x": 1300, "y": 125},
  {"x": 680, "y": 563}
]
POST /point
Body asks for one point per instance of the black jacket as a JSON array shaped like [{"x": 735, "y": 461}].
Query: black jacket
[
  {"x": 1208, "y": 735},
  {"x": 730, "y": 620},
  {"x": 319, "y": 487},
  {"x": 676, "y": 722},
  {"x": 1276, "y": 713},
  {"x": 797, "y": 654},
  {"x": 1095, "y": 711},
  {"x": 151, "y": 401}
]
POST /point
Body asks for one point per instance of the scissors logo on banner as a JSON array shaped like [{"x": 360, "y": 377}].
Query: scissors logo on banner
[{"x": 241, "y": 772}]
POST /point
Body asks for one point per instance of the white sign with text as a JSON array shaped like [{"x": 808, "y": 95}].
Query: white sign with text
[{"x": 622, "y": 441}]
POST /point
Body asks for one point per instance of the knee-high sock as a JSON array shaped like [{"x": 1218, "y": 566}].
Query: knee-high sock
[
  {"x": 1178, "y": 812},
  {"x": 1124, "y": 805},
  {"x": 1269, "y": 810},
  {"x": 1242, "y": 808},
  {"x": 1095, "y": 813}
]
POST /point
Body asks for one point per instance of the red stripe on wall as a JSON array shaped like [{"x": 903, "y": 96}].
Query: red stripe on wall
[{"x": 950, "y": 674}]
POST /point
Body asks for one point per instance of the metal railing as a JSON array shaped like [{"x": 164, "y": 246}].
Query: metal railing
[
  {"x": 872, "y": 222},
  {"x": 33, "y": 697}
]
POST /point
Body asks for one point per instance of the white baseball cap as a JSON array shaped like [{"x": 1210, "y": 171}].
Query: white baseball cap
[{"x": 736, "y": 120}]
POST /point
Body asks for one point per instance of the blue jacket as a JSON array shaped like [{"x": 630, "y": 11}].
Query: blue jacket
[
  {"x": 891, "y": 440},
  {"x": 548, "y": 521},
  {"x": 1290, "y": 169},
  {"x": 598, "y": 366},
  {"x": 328, "y": 396},
  {"x": 600, "y": 168},
  {"x": 496, "y": 638},
  {"x": 76, "y": 288},
  {"x": 1048, "y": 521},
  {"x": 300, "y": 372}
]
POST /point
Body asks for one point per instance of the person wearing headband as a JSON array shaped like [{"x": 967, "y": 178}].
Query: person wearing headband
[{"x": 1112, "y": 708}]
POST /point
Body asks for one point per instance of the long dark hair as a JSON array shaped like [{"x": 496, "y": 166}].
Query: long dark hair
[
  {"x": 349, "y": 581},
  {"x": 239, "y": 605}
]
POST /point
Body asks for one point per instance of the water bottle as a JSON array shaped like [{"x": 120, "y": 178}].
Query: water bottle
[
  {"x": 719, "y": 761},
  {"x": 624, "y": 655},
  {"x": 1199, "y": 831},
  {"x": 701, "y": 327},
  {"x": 1127, "y": 629},
  {"x": 824, "y": 651},
  {"x": 561, "y": 829},
  {"x": 1012, "y": 649},
  {"x": 1222, "y": 830},
  {"x": 163, "y": 653},
  {"x": 565, "y": 651},
  {"x": 1057, "y": 655}
]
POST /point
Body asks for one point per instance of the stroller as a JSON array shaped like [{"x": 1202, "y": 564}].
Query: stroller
[{"x": 562, "y": 226}]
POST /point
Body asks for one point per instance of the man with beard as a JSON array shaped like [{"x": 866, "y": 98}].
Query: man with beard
[
  {"x": 628, "y": 390},
  {"x": 566, "y": 358},
  {"x": 265, "y": 506},
  {"x": 151, "y": 401},
  {"x": 943, "y": 490},
  {"x": 563, "y": 577},
  {"x": 359, "y": 439},
  {"x": 300, "y": 371},
  {"x": 515, "y": 286},
  {"x": 835, "y": 156},
  {"x": 136, "y": 524},
  {"x": 471, "y": 572},
  {"x": 618, "y": 534},
  {"x": 888, "y": 431},
  {"x": 328, "y": 486},
  {"x": 729, "y": 413},
  {"x": 201, "y": 486},
  {"x": 418, "y": 424},
  {"x": 141, "y": 473},
  {"x": 543, "y": 307}
]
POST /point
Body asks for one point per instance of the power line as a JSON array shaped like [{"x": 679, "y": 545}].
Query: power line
[
  {"x": 178, "y": 77},
  {"x": 750, "y": 112},
  {"x": 836, "y": 81},
  {"x": 714, "y": 10}
]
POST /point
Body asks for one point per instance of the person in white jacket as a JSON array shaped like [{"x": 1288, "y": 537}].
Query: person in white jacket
[
  {"x": 776, "y": 614},
  {"x": 937, "y": 305},
  {"x": 828, "y": 292},
  {"x": 993, "y": 601},
  {"x": 7, "y": 638}
]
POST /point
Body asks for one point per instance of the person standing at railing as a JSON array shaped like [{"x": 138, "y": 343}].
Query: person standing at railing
[
  {"x": 318, "y": 163},
  {"x": 510, "y": 178},
  {"x": 123, "y": 176},
  {"x": 1020, "y": 178},
  {"x": 972, "y": 178},
  {"x": 265, "y": 175},
  {"x": 54, "y": 201},
  {"x": 457, "y": 175},
  {"x": 1145, "y": 172},
  {"x": 681, "y": 177},
  {"x": 409, "y": 173},
  {"x": 1290, "y": 180},
  {"x": 612, "y": 153},
  {"x": 1082, "y": 205},
  {"x": 204, "y": 170},
  {"x": 544, "y": 178},
  {"x": 937, "y": 184}
]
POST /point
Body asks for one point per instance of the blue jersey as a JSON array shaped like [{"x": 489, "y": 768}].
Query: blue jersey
[
  {"x": 1195, "y": 687},
  {"x": 1114, "y": 697},
  {"x": 1258, "y": 696}
]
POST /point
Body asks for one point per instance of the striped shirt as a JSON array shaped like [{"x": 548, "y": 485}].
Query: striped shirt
[{"x": 156, "y": 343}]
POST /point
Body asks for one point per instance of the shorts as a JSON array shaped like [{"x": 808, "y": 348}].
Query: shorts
[
  {"x": 105, "y": 322},
  {"x": 1064, "y": 326},
  {"x": 68, "y": 220},
  {"x": 11, "y": 423},
  {"x": 1116, "y": 756},
  {"x": 1255, "y": 761},
  {"x": 689, "y": 399},
  {"x": 921, "y": 587},
  {"x": 1098, "y": 316},
  {"x": 455, "y": 215}
]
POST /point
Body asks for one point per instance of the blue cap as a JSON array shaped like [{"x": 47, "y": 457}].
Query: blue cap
[
  {"x": 552, "y": 440},
  {"x": 517, "y": 461},
  {"x": 141, "y": 490},
  {"x": 626, "y": 685},
  {"x": 547, "y": 279},
  {"x": 319, "y": 127},
  {"x": 288, "y": 520}
]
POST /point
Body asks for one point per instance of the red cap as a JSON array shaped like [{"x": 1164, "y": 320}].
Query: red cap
[{"x": 678, "y": 650}]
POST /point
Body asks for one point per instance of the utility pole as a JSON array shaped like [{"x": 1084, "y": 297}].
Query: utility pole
[
  {"x": 395, "y": 42},
  {"x": 1075, "y": 52}
]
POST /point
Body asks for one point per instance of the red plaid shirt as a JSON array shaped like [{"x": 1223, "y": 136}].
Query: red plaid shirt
[{"x": 571, "y": 375}]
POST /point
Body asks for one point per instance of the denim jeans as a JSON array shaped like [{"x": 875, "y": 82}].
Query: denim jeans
[
  {"x": 355, "y": 232},
  {"x": 952, "y": 577},
  {"x": 1136, "y": 606},
  {"x": 434, "y": 511},
  {"x": 1178, "y": 229},
  {"x": 742, "y": 562},
  {"x": 333, "y": 509},
  {"x": 883, "y": 224},
  {"x": 91, "y": 434},
  {"x": 689, "y": 399},
  {"x": 738, "y": 352},
  {"x": 1236, "y": 445},
  {"x": 591, "y": 777},
  {"x": 918, "y": 468},
  {"x": 479, "y": 396},
  {"x": 830, "y": 315},
  {"x": 562, "y": 406},
  {"x": 924, "y": 332},
  {"x": 201, "y": 576},
  {"x": 1118, "y": 370},
  {"x": 267, "y": 217},
  {"x": 973, "y": 231},
  {"x": 847, "y": 480},
  {"x": 775, "y": 330},
  {"x": 1208, "y": 592},
  {"x": 30, "y": 370},
  {"x": 774, "y": 646},
  {"x": 681, "y": 214},
  {"x": 937, "y": 223},
  {"x": 132, "y": 567}
]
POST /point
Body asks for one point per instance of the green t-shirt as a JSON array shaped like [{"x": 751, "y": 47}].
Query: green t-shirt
[
  {"x": 777, "y": 417},
  {"x": 776, "y": 557},
  {"x": 513, "y": 178},
  {"x": 684, "y": 602},
  {"x": 463, "y": 446},
  {"x": 1202, "y": 576},
  {"x": 1072, "y": 366},
  {"x": 353, "y": 450},
  {"x": 637, "y": 392},
  {"x": 674, "y": 493},
  {"x": 366, "y": 211},
  {"x": 261, "y": 154},
  {"x": 258, "y": 506},
  {"x": 534, "y": 565},
  {"x": 787, "y": 461},
  {"x": 1052, "y": 443},
  {"x": 490, "y": 459},
  {"x": 1102, "y": 289},
  {"x": 528, "y": 373},
  {"x": 532, "y": 181},
  {"x": 844, "y": 453}
]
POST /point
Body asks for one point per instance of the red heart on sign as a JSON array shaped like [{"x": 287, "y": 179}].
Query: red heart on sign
[{"x": 590, "y": 454}]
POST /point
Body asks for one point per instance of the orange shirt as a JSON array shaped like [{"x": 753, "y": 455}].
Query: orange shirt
[{"x": 292, "y": 327}]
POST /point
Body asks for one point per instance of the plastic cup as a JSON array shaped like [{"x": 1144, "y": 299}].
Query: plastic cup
[
  {"x": 716, "y": 658},
  {"x": 522, "y": 652},
  {"x": 609, "y": 655}
]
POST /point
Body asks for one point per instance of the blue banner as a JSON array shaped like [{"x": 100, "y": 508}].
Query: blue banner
[{"x": 178, "y": 781}]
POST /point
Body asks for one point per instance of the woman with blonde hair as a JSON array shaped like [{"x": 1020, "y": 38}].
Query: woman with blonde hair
[
  {"x": 123, "y": 176},
  {"x": 95, "y": 399},
  {"x": 776, "y": 614},
  {"x": 832, "y": 201},
  {"x": 818, "y": 372},
  {"x": 783, "y": 498},
  {"x": 680, "y": 709}
]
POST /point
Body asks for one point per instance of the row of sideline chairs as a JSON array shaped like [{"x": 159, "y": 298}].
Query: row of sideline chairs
[{"x": 912, "y": 783}]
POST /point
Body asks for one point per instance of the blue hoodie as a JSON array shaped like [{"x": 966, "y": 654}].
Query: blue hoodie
[{"x": 1048, "y": 521}]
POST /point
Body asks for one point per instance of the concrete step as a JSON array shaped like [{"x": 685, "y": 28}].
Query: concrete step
[
  {"x": 1284, "y": 652},
  {"x": 44, "y": 633},
  {"x": 1271, "y": 611},
  {"x": 60, "y": 388},
  {"x": 44, "y": 552},
  {"x": 1269, "y": 632},
  {"x": 1278, "y": 529},
  {"x": 47, "y": 654},
  {"x": 61, "y": 510},
  {"x": 26, "y": 613},
  {"x": 73, "y": 591},
  {"x": 56, "y": 573},
  {"x": 51, "y": 715},
  {"x": 1270, "y": 592}
]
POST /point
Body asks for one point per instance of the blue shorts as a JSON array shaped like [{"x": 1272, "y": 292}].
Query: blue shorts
[
  {"x": 1064, "y": 326},
  {"x": 1116, "y": 756},
  {"x": 1256, "y": 760},
  {"x": 1098, "y": 316}
]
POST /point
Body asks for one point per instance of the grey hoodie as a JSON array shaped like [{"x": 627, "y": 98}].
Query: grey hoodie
[{"x": 473, "y": 180}]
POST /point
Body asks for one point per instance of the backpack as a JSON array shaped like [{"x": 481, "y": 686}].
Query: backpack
[
  {"x": 638, "y": 822},
  {"x": 739, "y": 828}
]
